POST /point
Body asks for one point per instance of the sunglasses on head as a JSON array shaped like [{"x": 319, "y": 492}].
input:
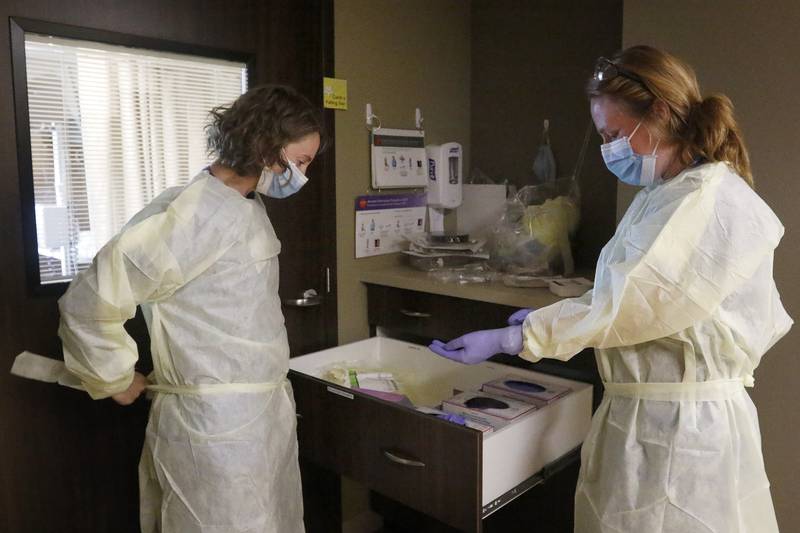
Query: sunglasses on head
[{"x": 605, "y": 70}]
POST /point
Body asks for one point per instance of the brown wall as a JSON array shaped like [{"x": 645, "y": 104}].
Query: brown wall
[
  {"x": 749, "y": 51},
  {"x": 530, "y": 62},
  {"x": 68, "y": 463}
]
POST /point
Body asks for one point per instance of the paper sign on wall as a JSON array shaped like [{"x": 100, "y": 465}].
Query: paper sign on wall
[
  {"x": 398, "y": 158},
  {"x": 334, "y": 93},
  {"x": 382, "y": 220}
]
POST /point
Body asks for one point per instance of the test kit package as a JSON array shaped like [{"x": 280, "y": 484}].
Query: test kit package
[
  {"x": 377, "y": 381},
  {"x": 495, "y": 409},
  {"x": 518, "y": 388}
]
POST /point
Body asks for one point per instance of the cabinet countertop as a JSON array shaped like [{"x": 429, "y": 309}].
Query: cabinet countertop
[{"x": 404, "y": 277}]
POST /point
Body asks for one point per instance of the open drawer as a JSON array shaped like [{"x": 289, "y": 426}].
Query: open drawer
[{"x": 455, "y": 474}]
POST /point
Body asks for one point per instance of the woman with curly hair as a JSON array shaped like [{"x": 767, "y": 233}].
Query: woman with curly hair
[{"x": 220, "y": 451}]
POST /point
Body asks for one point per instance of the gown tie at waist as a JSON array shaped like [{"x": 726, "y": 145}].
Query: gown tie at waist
[
  {"x": 718, "y": 389},
  {"x": 34, "y": 366},
  {"x": 216, "y": 388}
]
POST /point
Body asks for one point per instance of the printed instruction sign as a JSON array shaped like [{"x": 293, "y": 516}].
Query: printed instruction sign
[
  {"x": 334, "y": 93},
  {"x": 398, "y": 158},
  {"x": 382, "y": 220}
]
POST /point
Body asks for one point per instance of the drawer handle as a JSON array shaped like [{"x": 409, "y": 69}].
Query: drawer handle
[
  {"x": 415, "y": 314},
  {"x": 405, "y": 461}
]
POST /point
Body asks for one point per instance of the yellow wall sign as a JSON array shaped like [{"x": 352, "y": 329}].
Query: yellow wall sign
[{"x": 334, "y": 93}]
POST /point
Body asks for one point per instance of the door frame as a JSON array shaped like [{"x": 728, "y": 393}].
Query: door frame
[{"x": 328, "y": 170}]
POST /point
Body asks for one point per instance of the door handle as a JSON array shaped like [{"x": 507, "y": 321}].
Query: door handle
[
  {"x": 396, "y": 457},
  {"x": 415, "y": 314},
  {"x": 310, "y": 299}
]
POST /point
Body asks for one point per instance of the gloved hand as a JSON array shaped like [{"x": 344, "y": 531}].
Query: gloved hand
[
  {"x": 518, "y": 317},
  {"x": 450, "y": 417},
  {"x": 479, "y": 346}
]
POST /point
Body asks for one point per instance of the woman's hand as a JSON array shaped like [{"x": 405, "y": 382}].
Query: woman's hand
[
  {"x": 519, "y": 316},
  {"x": 479, "y": 346},
  {"x": 130, "y": 395}
]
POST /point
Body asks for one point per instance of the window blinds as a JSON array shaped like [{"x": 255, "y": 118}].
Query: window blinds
[{"x": 111, "y": 128}]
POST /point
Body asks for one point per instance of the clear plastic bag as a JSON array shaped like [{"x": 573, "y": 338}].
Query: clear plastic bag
[
  {"x": 472, "y": 273},
  {"x": 533, "y": 235}
]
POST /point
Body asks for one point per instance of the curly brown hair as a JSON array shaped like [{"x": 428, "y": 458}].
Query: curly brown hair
[{"x": 250, "y": 133}]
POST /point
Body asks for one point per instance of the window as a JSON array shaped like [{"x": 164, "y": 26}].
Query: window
[{"x": 110, "y": 127}]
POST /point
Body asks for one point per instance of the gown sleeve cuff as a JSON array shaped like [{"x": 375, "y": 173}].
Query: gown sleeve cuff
[
  {"x": 98, "y": 389},
  {"x": 529, "y": 347}
]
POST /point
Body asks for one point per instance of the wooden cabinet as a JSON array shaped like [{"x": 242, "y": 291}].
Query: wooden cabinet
[
  {"x": 421, "y": 316},
  {"x": 423, "y": 462},
  {"x": 456, "y": 475}
]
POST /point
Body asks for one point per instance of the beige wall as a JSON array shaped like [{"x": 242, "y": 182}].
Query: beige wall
[
  {"x": 749, "y": 51},
  {"x": 396, "y": 55}
]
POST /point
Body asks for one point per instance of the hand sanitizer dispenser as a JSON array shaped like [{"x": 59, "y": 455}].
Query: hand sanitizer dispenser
[
  {"x": 444, "y": 181},
  {"x": 444, "y": 175}
]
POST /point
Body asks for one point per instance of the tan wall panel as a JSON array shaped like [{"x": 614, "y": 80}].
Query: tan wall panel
[{"x": 396, "y": 56}]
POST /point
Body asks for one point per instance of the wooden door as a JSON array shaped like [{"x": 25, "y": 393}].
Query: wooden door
[
  {"x": 301, "y": 49},
  {"x": 67, "y": 463}
]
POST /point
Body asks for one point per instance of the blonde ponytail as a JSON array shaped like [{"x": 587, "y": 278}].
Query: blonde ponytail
[{"x": 714, "y": 135}]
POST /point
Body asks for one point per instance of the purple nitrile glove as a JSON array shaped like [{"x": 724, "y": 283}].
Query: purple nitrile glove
[
  {"x": 479, "y": 346},
  {"x": 519, "y": 316},
  {"x": 450, "y": 417}
]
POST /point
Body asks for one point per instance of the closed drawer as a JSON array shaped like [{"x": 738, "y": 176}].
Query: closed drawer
[
  {"x": 428, "y": 315},
  {"x": 421, "y": 461},
  {"x": 444, "y": 470}
]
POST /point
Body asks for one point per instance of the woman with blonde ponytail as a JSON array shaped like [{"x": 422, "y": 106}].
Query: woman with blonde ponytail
[{"x": 683, "y": 308}]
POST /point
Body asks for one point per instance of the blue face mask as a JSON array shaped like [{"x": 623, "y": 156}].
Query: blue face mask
[
  {"x": 627, "y": 165},
  {"x": 281, "y": 185}
]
